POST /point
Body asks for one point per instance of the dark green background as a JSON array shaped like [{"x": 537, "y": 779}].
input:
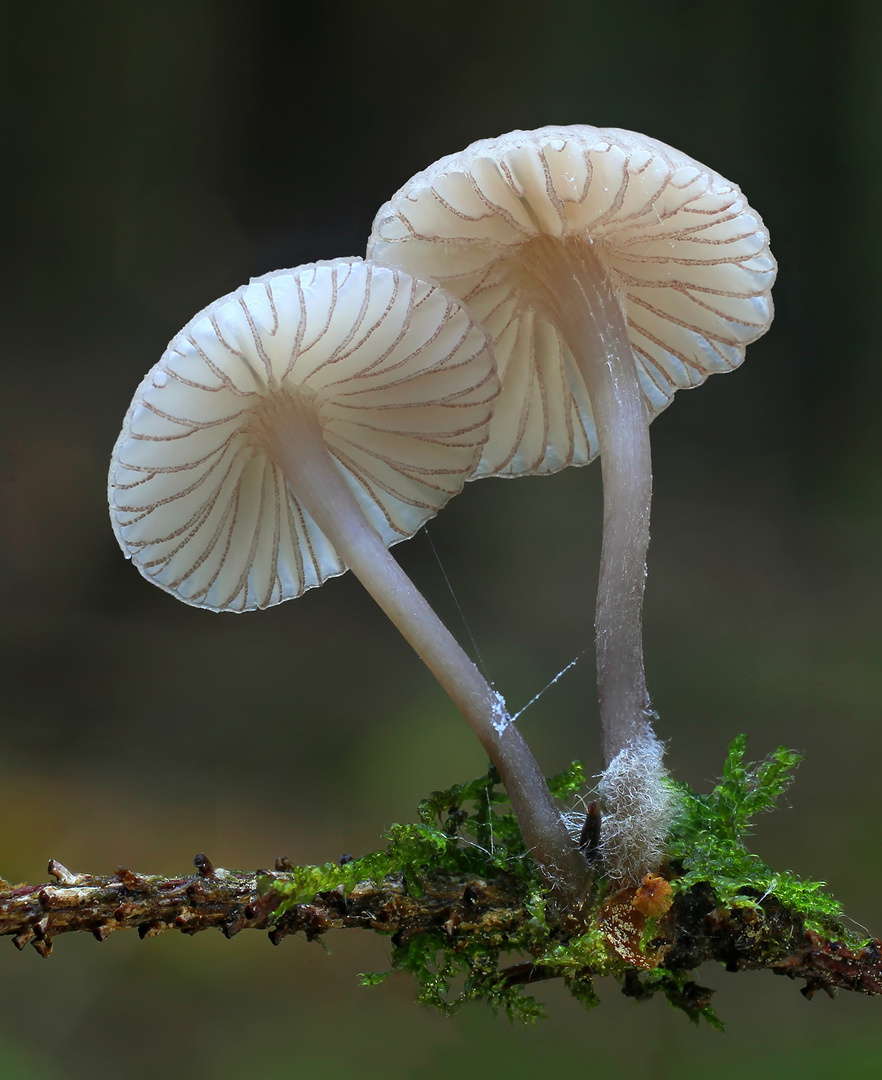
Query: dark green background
[{"x": 161, "y": 153}]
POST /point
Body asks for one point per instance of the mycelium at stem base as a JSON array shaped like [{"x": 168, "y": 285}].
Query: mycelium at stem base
[
  {"x": 568, "y": 280},
  {"x": 288, "y": 427}
]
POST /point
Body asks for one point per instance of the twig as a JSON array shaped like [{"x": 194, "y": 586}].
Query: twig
[
  {"x": 231, "y": 901},
  {"x": 696, "y": 929}
]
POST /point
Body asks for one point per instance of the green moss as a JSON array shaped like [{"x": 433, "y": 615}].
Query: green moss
[
  {"x": 469, "y": 830},
  {"x": 707, "y": 840}
]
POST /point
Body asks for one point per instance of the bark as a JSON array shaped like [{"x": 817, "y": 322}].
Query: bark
[{"x": 695, "y": 929}]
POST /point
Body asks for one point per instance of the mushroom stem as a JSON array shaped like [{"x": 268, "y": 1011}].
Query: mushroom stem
[
  {"x": 291, "y": 432},
  {"x": 570, "y": 280}
]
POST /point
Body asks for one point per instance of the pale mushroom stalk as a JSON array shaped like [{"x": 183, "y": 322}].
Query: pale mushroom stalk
[
  {"x": 288, "y": 427},
  {"x": 570, "y": 282}
]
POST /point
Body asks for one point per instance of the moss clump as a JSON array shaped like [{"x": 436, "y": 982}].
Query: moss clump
[
  {"x": 707, "y": 840},
  {"x": 500, "y": 933}
]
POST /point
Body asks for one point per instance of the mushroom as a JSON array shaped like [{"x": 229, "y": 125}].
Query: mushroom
[
  {"x": 610, "y": 270},
  {"x": 300, "y": 426}
]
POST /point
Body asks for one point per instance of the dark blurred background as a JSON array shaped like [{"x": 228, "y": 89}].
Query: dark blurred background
[{"x": 157, "y": 156}]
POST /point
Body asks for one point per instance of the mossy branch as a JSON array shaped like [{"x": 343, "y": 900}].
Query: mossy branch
[
  {"x": 453, "y": 911},
  {"x": 232, "y": 901},
  {"x": 459, "y": 899}
]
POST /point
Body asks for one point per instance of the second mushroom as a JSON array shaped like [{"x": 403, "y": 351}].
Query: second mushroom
[{"x": 610, "y": 270}]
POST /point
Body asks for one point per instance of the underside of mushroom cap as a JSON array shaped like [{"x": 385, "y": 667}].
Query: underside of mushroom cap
[
  {"x": 402, "y": 383},
  {"x": 686, "y": 256}
]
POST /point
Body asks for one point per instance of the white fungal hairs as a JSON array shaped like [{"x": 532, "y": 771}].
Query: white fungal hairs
[{"x": 639, "y": 806}]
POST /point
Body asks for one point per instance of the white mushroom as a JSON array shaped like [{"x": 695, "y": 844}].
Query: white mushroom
[
  {"x": 610, "y": 270},
  {"x": 298, "y": 427}
]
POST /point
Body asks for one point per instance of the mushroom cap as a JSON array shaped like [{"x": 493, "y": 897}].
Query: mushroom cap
[
  {"x": 686, "y": 256},
  {"x": 403, "y": 383}
]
